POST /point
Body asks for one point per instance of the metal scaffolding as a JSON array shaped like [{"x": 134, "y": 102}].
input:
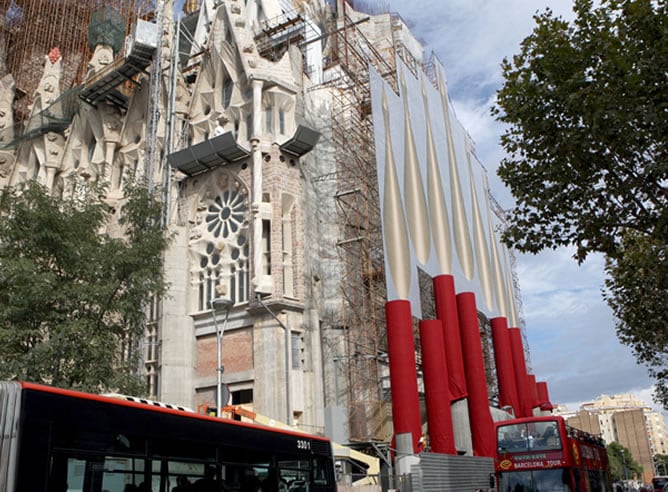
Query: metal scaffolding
[
  {"x": 31, "y": 28},
  {"x": 360, "y": 245}
]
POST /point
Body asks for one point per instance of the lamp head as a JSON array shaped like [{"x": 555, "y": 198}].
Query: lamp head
[{"x": 218, "y": 303}]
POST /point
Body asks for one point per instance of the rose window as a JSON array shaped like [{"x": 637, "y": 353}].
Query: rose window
[
  {"x": 226, "y": 214},
  {"x": 222, "y": 245}
]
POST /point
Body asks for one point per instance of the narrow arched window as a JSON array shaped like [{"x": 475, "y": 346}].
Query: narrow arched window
[
  {"x": 268, "y": 120},
  {"x": 228, "y": 85}
]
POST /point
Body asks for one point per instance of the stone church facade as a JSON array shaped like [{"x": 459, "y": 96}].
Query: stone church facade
[
  {"x": 256, "y": 225},
  {"x": 254, "y": 120}
]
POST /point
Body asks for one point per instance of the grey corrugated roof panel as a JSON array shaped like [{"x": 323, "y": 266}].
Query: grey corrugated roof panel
[
  {"x": 208, "y": 154},
  {"x": 302, "y": 142}
]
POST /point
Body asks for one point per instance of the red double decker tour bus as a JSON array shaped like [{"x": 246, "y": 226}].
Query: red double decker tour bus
[{"x": 543, "y": 454}]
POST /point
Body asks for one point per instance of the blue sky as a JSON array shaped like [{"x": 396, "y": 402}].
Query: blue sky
[{"x": 571, "y": 331}]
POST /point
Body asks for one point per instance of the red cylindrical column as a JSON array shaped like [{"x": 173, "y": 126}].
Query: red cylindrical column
[
  {"x": 403, "y": 375},
  {"x": 437, "y": 393},
  {"x": 446, "y": 311},
  {"x": 521, "y": 377},
  {"x": 535, "y": 400},
  {"x": 503, "y": 359},
  {"x": 544, "y": 396},
  {"x": 482, "y": 426}
]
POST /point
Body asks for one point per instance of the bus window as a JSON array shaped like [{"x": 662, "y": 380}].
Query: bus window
[
  {"x": 550, "y": 481},
  {"x": 534, "y": 481},
  {"x": 249, "y": 479},
  {"x": 320, "y": 468},
  {"x": 294, "y": 474},
  {"x": 75, "y": 473},
  {"x": 513, "y": 438},
  {"x": 112, "y": 473},
  {"x": 181, "y": 475},
  {"x": 516, "y": 482},
  {"x": 547, "y": 436},
  {"x": 269, "y": 479},
  {"x": 263, "y": 477},
  {"x": 232, "y": 476},
  {"x": 116, "y": 472},
  {"x": 522, "y": 437}
]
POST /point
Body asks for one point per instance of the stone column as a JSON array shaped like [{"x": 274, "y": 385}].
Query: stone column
[{"x": 257, "y": 183}]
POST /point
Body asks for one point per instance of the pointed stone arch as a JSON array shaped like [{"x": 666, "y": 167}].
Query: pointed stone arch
[{"x": 219, "y": 249}]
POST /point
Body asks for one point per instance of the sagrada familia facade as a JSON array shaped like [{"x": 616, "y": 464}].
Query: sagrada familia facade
[{"x": 312, "y": 170}]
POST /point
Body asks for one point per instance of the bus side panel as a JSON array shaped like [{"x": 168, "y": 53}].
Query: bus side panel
[
  {"x": 92, "y": 431},
  {"x": 10, "y": 408}
]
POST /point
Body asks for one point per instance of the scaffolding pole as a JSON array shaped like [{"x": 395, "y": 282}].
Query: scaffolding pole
[{"x": 360, "y": 244}]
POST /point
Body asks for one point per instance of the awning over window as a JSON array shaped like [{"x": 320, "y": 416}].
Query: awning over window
[
  {"x": 302, "y": 141},
  {"x": 209, "y": 154}
]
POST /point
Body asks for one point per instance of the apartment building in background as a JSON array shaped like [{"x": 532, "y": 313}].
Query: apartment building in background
[{"x": 627, "y": 420}]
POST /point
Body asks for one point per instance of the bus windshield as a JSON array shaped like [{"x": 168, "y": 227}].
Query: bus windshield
[
  {"x": 534, "y": 481},
  {"x": 529, "y": 436}
]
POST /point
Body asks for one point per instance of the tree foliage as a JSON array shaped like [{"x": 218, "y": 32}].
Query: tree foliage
[
  {"x": 72, "y": 293},
  {"x": 637, "y": 292},
  {"x": 660, "y": 464},
  {"x": 586, "y": 109},
  {"x": 622, "y": 464}
]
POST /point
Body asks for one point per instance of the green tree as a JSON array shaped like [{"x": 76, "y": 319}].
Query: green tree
[
  {"x": 586, "y": 109},
  {"x": 636, "y": 290},
  {"x": 72, "y": 293},
  {"x": 622, "y": 464}
]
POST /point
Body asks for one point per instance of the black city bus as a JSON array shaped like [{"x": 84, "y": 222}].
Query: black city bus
[{"x": 57, "y": 440}]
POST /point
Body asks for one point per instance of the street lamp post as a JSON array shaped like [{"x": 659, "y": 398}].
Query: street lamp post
[
  {"x": 625, "y": 467},
  {"x": 224, "y": 304}
]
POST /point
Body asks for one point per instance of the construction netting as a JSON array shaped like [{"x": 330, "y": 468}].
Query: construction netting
[
  {"x": 55, "y": 118},
  {"x": 107, "y": 26},
  {"x": 31, "y": 28}
]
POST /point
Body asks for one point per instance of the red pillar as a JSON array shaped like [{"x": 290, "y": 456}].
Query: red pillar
[
  {"x": 482, "y": 426},
  {"x": 403, "y": 375},
  {"x": 535, "y": 400},
  {"x": 503, "y": 359},
  {"x": 437, "y": 393},
  {"x": 521, "y": 376},
  {"x": 544, "y": 396},
  {"x": 446, "y": 311}
]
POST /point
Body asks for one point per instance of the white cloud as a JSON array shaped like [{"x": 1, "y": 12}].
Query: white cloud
[
  {"x": 471, "y": 37},
  {"x": 571, "y": 331},
  {"x": 557, "y": 270}
]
